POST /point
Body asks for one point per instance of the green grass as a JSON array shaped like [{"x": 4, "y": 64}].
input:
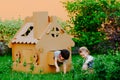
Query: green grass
[
  {"x": 104, "y": 68},
  {"x": 6, "y": 72}
]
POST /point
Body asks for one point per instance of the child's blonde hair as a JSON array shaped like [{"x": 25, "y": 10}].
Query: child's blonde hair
[{"x": 81, "y": 49}]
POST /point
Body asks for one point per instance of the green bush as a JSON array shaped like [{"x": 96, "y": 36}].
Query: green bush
[
  {"x": 107, "y": 67},
  {"x": 8, "y": 28},
  {"x": 86, "y": 17},
  {"x": 89, "y": 39},
  {"x": 4, "y": 50}
]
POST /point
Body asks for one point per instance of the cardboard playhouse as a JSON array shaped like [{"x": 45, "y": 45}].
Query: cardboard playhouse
[{"x": 34, "y": 44}]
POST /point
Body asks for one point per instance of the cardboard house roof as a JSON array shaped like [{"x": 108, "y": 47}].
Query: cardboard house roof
[
  {"x": 27, "y": 34},
  {"x": 28, "y": 39}
]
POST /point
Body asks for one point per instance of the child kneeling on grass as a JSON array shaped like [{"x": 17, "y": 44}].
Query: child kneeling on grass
[
  {"x": 85, "y": 53},
  {"x": 61, "y": 57}
]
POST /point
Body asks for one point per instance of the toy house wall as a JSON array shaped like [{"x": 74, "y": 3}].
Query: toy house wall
[
  {"x": 47, "y": 61},
  {"x": 50, "y": 62},
  {"x": 49, "y": 41},
  {"x": 29, "y": 50},
  {"x": 44, "y": 58},
  {"x": 54, "y": 43},
  {"x": 23, "y": 51},
  {"x": 48, "y": 45}
]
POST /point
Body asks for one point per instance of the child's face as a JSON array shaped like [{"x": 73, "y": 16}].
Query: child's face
[
  {"x": 61, "y": 58},
  {"x": 83, "y": 54}
]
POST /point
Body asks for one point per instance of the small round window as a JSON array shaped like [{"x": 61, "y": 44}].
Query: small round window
[{"x": 55, "y": 32}]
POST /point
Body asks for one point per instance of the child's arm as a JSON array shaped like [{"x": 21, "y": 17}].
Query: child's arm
[
  {"x": 56, "y": 65},
  {"x": 84, "y": 67},
  {"x": 89, "y": 59},
  {"x": 64, "y": 66}
]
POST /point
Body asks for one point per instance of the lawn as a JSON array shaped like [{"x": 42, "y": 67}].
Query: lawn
[
  {"x": 6, "y": 72},
  {"x": 104, "y": 68}
]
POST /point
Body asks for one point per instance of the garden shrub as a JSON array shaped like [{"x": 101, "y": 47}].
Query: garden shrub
[
  {"x": 107, "y": 67},
  {"x": 4, "y": 50},
  {"x": 100, "y": 67},
  {"x": 112, "y": 31},
  {"x": 8, "y": 28},
  {"x": 86, "y": 17},
  {"x": 114, "y": 72}
]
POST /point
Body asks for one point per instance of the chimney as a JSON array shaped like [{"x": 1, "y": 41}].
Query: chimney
[
  {"x": 53, "y": 19},
  {"x": 40, "y": 20}
]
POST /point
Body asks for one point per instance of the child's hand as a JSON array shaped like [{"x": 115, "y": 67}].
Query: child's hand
[
  {"x": 84, "y": 67},
  {"x": 57, "y": 69}
]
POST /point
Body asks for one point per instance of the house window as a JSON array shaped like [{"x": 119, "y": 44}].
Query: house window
[
  {"x": 57, "y": 29},
  {"x": 55, "y": 32},
  {"x": 28, "y": 31}
]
